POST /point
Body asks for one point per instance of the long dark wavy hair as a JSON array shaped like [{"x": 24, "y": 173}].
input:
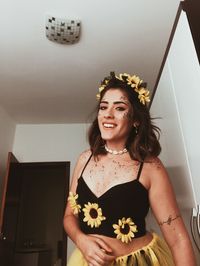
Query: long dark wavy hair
[{"x": 142, "y": 144}]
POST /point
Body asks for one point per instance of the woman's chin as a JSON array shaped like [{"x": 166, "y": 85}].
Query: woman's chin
[{"x": 107, "y": 138}]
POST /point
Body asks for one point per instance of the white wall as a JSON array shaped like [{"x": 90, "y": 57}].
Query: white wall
[
  {"x": 174, "y": 154},
  {"x": 7, "y": 132},
  {"x": 51, "y": 142},
  {"x": 177, "y": 103},
  {"x": 185, "y": 73}
]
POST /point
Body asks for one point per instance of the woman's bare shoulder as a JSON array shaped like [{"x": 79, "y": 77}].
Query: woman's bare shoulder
[
  {"x": 81, "y": 161},
  {"x": 84, "y": 156},
  {"x": 156, "y": 171},
  {"x": 154, "y": 164}
]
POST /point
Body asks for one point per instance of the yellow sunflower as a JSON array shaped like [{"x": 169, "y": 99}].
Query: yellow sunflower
[
  {"x": 134, "y": 81},
  {"x": 143, "y": 95},
  {"x": 123, "y": 76},
  {"x": 101, "y": 89},
  {"x": 93, "y": 214},
  {"x": 73, "y": 202},
  {"x": 125, "y": 229}
]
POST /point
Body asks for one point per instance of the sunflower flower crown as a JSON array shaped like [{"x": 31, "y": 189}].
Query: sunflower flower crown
[{"x": 134, "y": 82}]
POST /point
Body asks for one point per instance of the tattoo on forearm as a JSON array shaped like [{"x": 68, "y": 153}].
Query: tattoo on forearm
[{"x": 170, "y": 220}]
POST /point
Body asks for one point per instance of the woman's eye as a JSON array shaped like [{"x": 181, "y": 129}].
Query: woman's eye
[
  {"x": 119, "y": 108},
  {"x": 102, "y": 107}
]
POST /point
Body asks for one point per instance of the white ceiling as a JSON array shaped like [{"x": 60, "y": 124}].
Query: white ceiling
[{"x": 45, "y": 82}]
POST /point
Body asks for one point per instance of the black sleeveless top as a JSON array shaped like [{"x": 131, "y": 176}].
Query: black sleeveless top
[{"x": 119, "y": 212}]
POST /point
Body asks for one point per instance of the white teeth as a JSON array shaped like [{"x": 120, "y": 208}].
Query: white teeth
[{"x": 108, "y": 125}]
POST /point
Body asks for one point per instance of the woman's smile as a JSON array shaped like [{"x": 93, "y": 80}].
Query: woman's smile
[{"x": 109, "y": 125}]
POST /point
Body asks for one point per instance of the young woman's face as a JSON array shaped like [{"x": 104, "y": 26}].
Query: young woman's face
[{"x": 114, "y": 116}]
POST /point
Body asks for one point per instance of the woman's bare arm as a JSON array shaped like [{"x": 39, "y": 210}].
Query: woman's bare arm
[{"x": 168, "y": 216}]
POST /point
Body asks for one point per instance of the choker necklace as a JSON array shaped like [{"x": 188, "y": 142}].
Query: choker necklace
[{"x": 116, "y": 152}]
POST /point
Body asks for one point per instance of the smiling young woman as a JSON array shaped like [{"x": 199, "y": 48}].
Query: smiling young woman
[{"x": 116, "y": 181}]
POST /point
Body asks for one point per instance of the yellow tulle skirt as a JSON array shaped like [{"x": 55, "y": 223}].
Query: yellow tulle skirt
[{"x": 156, "y": 253}]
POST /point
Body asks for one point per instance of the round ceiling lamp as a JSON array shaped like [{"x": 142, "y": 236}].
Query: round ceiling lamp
[{"x": 64, "y": 31}]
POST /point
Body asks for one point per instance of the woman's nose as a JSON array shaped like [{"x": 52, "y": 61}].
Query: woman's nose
[{"x": 109, "y": 114}]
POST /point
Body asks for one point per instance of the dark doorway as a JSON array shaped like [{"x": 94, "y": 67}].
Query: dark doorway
[{"x": 32, "y": 211}]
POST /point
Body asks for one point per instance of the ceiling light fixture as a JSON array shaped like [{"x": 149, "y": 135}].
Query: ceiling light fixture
[{"x": 60, "y": 30}]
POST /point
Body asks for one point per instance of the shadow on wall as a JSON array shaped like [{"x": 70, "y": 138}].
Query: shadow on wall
[{"x": 182, "y": 187}]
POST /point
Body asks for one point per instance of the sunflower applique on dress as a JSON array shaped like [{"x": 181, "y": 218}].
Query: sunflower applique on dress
[
  {"x": 93, "y": 215},
  {"x": 125, "y": 229},
  {"x": 73, "y": 202}
]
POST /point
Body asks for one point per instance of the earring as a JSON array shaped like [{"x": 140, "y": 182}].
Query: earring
[{"x": 136, "y": 128}]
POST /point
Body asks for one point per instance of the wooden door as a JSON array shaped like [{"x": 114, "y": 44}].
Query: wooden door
[{"x": 9, "y": 211}]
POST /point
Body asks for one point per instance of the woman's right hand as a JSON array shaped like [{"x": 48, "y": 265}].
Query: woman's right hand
[{"x": 95, "y": 250}]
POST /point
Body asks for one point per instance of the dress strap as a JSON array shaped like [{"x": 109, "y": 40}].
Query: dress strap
[
  {"x": 140, "y": 170},
  {"x": 86, "y": 164}
]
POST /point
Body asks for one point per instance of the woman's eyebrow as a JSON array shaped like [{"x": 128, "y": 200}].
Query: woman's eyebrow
[
  {"x": 120, "y": 102},
  {"x": 104, "y": 102},
  {"x": 116, "y": 102}
]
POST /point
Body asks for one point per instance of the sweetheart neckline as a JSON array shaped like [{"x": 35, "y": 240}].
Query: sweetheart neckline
[{"x": 108, "y": 190}]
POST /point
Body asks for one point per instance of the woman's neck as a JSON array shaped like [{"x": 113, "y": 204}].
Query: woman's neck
[{"x": 115, "y": 146}]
